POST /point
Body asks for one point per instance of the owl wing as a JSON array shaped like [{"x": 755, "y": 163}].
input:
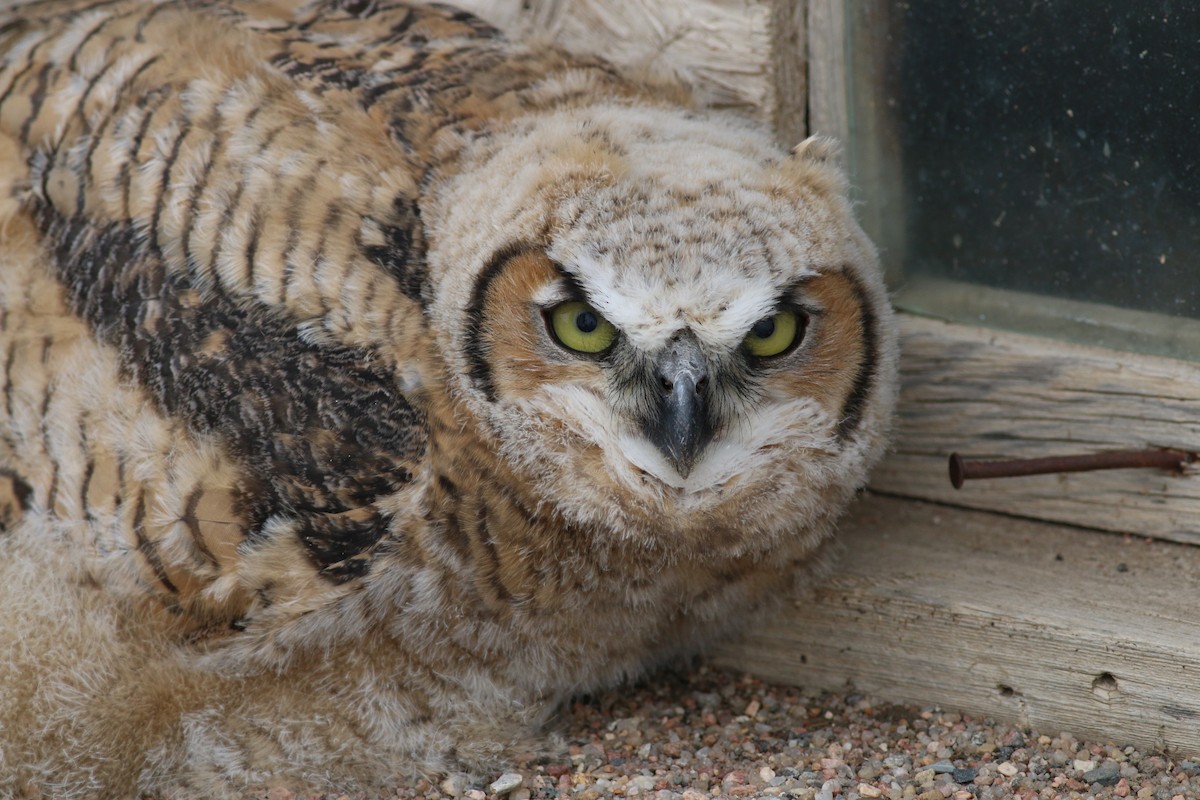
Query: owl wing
[{"x": 213, "y": 286}]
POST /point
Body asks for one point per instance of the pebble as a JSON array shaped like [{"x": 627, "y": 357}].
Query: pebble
[
  {"x": 964, "y": 775},
  {"x": 1107, "y": 774},
  {"x": 506, "y": 783},
  {"x": 643, "y": 782},
  {"x": 693, "y": 737}
]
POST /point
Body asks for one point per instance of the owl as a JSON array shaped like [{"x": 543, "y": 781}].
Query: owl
[{"x": 373, "y": 383}]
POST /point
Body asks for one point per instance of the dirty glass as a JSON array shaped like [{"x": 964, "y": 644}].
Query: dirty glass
[{"x": 1046, "y": 149}]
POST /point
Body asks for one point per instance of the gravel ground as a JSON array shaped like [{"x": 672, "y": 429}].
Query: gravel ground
[{"x": 711, "y": 734}]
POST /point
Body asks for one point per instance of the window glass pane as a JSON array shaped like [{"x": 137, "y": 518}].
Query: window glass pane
[{"x": 1047, "y": 147}]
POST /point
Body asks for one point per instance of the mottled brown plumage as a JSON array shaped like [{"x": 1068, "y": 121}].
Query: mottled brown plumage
[{"x": 305, "y": 482}]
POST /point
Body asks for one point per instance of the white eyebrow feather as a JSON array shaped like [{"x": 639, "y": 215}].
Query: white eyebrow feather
[
  {"x": 552, "y": 293},
  {"x": 649, "y": 310}
]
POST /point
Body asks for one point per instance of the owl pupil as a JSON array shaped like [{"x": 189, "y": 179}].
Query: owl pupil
[
  {"x": 586, "y": 321},
  {"x": 764, "y": 328}
]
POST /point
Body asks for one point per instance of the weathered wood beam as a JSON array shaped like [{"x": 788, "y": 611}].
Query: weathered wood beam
[
  {"x": 1045, "y": 626},
  {"x": 788, "y": 70},
  {"x": 992, "y": 394}
]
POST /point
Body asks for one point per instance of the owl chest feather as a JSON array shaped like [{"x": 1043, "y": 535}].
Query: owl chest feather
[{"x": 595, "y": 604}]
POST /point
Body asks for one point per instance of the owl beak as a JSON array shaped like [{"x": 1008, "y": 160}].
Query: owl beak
[{"x": 679, "y": 426}]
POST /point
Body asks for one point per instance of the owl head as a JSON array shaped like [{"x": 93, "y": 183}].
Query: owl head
[{"x": 670, "y": 327}]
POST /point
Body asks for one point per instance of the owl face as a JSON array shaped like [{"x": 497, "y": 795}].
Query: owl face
[{"x": 671, "y": 349}]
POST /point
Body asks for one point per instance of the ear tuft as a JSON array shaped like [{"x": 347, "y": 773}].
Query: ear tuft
[{"x": 819, "y": 149}]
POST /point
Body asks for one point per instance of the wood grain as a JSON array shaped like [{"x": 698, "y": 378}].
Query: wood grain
[
  {"x": 1032, "y": 623},
  {"x": 828, "y": 112},
  {"x": 992, "y": 394},
  {"x": 789, "y": 70},
  {"x": 724, "y": 49}
]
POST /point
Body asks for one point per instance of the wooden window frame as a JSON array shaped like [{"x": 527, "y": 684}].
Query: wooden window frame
[{"x": 991, "y": 393}]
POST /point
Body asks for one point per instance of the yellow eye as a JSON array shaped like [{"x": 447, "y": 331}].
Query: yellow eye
[
  {"x": 579, "y": 327},
  {"x": 773, "y": 335}
]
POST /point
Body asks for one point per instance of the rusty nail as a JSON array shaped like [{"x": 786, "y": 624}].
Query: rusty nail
[{"x": 963, "y": 470}]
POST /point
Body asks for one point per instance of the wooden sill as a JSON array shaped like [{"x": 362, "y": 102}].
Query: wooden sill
[
  {"x": 1045, "y": 626},
  {"x": 992, "y": 394}
]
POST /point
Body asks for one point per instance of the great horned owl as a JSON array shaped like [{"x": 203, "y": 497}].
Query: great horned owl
[{"x": 373, "y": 383}]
